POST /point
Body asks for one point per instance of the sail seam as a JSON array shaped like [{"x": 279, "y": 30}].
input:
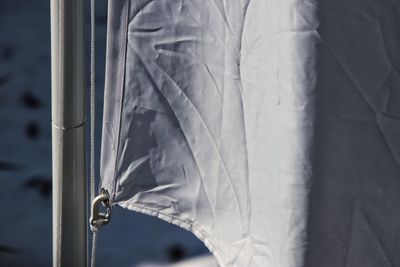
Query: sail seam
[{"x": 119, "y": 105}]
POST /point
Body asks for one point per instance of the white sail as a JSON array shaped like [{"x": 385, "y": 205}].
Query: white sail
[
  {"x": 207, "y": 121},
  {"x": 220, "y": 115},
  {"x": 355, "y": 196}
]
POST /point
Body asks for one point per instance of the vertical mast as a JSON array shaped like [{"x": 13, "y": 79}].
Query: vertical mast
[{"x": 68, "y": 134}]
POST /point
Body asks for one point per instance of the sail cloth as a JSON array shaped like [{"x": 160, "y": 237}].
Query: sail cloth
[
  {"x": 354, "y": 219},
  {"x": 206, "y": 123},
  {"x": 208, "y": 120},
  {"x": 220, "y": 115}
]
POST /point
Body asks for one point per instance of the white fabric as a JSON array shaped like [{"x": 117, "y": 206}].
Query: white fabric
[
  {"x": 208, "y": 119},
  {"x": 220, "y": 115},
  {"x": 354, "y": 216}
]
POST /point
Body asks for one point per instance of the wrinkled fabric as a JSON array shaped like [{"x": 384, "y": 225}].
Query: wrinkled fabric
[
  {"x": 224, "y": 117},
  {"x": 354, "y": 217},
  {"x": 208, "y": 120}
]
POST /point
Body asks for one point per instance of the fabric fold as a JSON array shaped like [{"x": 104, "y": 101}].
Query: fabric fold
[{"x": 209, "y": 120}]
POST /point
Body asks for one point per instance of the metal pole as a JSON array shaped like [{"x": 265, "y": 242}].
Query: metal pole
[{"x": 68, "y": 134}]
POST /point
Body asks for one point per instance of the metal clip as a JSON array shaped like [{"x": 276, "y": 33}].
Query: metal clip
[{"x": 98, "y": 219}]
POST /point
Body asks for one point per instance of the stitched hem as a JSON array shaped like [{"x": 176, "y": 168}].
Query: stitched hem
[{"x": 181, "y": 222}]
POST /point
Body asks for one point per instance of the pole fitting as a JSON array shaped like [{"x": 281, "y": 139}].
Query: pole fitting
[{"x": 97, "y": 218}]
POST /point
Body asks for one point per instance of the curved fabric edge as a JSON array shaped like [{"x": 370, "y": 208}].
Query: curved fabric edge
[{"x": 178, "y": 221}]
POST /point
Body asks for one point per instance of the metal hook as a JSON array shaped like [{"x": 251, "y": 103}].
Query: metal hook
[{"x": 98, "y": 219}]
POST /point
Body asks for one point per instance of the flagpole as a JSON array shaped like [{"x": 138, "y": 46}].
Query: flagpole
[{"x": 68, "y": 134}]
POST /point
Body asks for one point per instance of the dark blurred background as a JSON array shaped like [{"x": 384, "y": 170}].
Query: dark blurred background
[{"x": 130, "y": 239}]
